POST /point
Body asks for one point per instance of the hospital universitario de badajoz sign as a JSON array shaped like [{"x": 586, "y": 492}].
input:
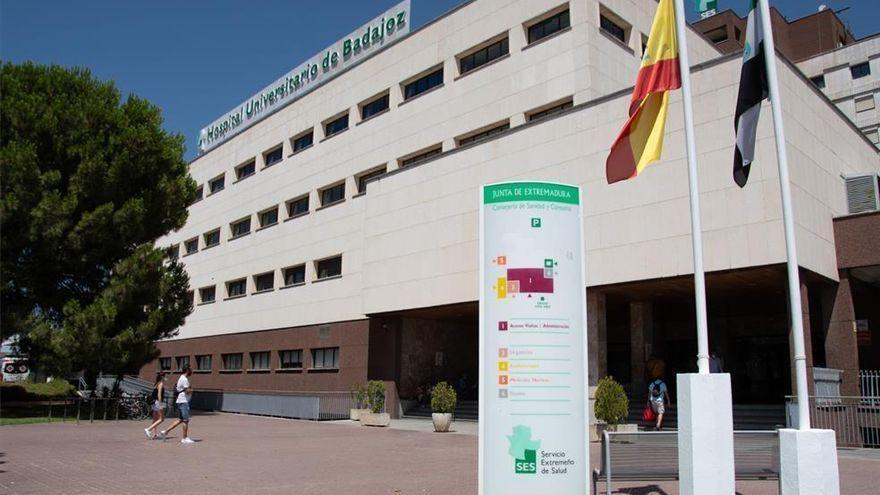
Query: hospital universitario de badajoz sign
[
  {"x": 360, "y": 44},
  {"x": 533, "y": 349}
]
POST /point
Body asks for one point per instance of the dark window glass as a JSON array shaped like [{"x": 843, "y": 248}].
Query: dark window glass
[
  {"x": 420, "y": 157},
  {"x": 207, "y": 294},
  {"x": 423, "y": 84},
  {"x": 619, "y": 32},
  {"x": 241, "y": 227},
  {"x": 265, "y": 281},
  {"x": 475, "y": 138},
  {"x": 199, "y": 194},
  {"x": 331, "y": 267},
  {"x": 550, "y": 111},
  {"x": 291, "y": 359},
  {"x": 274, "y": 156},
  {"x": 303, "y": 142},
  {"x": 295, "y": 275},
  {"x": 203, "y": 362},
  {"x": 325, "y": 358},
  {"x": 165, "y": 363},
  {"x": 269, "y": 217},
  {"x": 362, "y": 180},
  {"x": 217, "y": 185},
  {"x": 860, "y": 70},
  {"x": 716, "y": 36},
  {"x": 173, "y": 252},
  {"x": 182, "y": 361},
  {"x": 231, "y": 362},
  {"x": 246, "y": 170},
  {"x": 298, "y": 206},
  {"x": 333, "y": 194},
  {"x": 483, "y": 56},
  {"x": 376, "y": 106},
  {"x": 191, "y": 297},
  {"x": 336, "y": 126},
  {"x": 236, "y": 288},
  {"x": 818, "y": 81},
  {"x": 212, "y": 238},
  {"x": 192, "y": 245},
  {"x": 260, "y": 360},
  {"x": 542, "y": 29}
]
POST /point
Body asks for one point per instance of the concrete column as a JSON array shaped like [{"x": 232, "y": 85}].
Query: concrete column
[
  {"x": 641, "y": 322},
  {"x": 808, "y": 462},
  {"x": 705, "y": 434},
  {"x": 808, "y": 345},
  {"x": 597, "y": 336},
  {"x": 841, "y": 346}
]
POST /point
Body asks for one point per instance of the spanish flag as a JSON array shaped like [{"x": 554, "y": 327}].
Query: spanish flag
[{"x": 641, "y": 140}]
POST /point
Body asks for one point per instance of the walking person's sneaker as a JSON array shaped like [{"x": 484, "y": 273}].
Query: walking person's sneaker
[
  {"x": 186, "y": 440},
  {"x": 147, "y": 433},
  {"x": 162, "y": 435}
]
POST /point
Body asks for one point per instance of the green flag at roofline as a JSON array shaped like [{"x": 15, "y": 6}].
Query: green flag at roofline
[{"x": 753, "y": 90}]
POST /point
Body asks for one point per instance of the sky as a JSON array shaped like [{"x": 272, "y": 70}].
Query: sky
[{"x": 197, "y": 59}]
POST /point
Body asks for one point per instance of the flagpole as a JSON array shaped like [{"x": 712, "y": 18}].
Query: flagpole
[
  {"x": 794, "y": 284},
  {"x": 696, "y": 228}
]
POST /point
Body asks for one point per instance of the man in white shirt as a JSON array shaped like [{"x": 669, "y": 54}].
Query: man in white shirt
[{"x": 183, "y": 390}]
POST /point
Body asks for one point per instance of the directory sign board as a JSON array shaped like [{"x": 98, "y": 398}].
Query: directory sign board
[{"x": 533, "y": 344}]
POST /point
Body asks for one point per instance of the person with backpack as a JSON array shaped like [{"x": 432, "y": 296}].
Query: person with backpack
[
  {"x": 183, "y": 392},
  {"x": 157, "y": 404},
  {"x": 658, "y": 399}
]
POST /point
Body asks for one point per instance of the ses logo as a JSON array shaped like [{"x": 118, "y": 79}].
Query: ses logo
[{"x": 523, "y": 450}]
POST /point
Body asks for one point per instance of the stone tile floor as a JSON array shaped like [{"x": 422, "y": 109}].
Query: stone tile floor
[{"x": 244, "y": 454}]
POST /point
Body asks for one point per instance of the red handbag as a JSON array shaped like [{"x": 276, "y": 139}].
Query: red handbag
[{"x": 648, "y": 415}]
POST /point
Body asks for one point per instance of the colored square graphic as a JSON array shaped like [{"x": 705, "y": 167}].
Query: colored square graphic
[
  {"x": 548, "y": 263},
  {"x": 513, "y": 286},
  {"x": 502, "y": 352},
  {"x": 502, "y": 260},
  {"x": 536, "y": 223},
  {"x": 502, "y": 393},
  {"x": 531, "y": 280},
  {"x": 502, "y": 365},
  {"x": 502, "y": 326},
  {"x": 548, "y": 273},
  {"x": 501, "y": 286},
  {"x": 502, "y": 379}
]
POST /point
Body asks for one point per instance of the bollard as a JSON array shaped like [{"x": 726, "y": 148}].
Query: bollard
[
  {"x": 117, "y": 410},
  {"x": 92, "y": 410},
  {"x": 50, "y": 412},
  {"x": 64, "y": 418},
  {"x": 105, "y": 408},
  {"x": 78, "y": 404}
]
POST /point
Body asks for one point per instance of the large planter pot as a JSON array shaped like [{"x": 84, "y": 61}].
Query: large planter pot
[
  {"x": 355, "y": 414},
  {"x": 375, "y": 419},
  {"x": 442, "y": 421}
]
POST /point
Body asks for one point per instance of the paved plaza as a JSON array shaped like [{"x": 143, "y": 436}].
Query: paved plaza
[{"x": 246, "y": 454}]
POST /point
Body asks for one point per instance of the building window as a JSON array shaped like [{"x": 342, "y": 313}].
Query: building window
[
  {"x": 329, "y": 268},
  {"x": 273, "y": 156},
  {"x": 269, "y": 217},
  {"x": 165, "y": 364},
  {"x": 297, "y": 207},
  {"x": 336, "y": 125},
  {"x": 873, "y": 135},
  {"x": 191, "y": 245},
  {"x": 619, "y": 30},
  {"x": 365, "y": 178},
  {"x": 302, "y": 142},
  {"x": 548, "y": 26},
  {"x": 864, "y": 103},
  {"x": 173, "y": 252},
  {"x": 231, "y": 362},
  {"x": 203, "y": 362},
  {"x": 818, "y": 81},
  {"x": 217, "y": 184},
  {"x": 246, "y": 170},
  {"x": 290, "y": 359},
  {"x": 374, "y": 107},
  {"x": 241, "y": 227},
  {"x": 295, "y": 275},
  {"x": 860, "y": 70},
  {"x": 191, "y": 298},
  {"x": 264, "y": 281},
  {"x": 236, "y": 288},
  {"x": 212, "y": 238},
  {"x": 325, "y": 358},
  {"x": 181, "y": 362},
  {"x": 547, "y": 111},
  {"x": 644, "y": 45},
  {"x": 483, "y": 56},
  {"x": 423, "y": 84},
  {"x": 207, "y": 294},
  {"x": 199, "y": 194},
  {"x": 718, "y": 35},
  {"x": 421, "y": 156},
  {"x": 482, "y": 135},
  {"x": 260, "y": 360},
  {"x": 333, "y": 194}
]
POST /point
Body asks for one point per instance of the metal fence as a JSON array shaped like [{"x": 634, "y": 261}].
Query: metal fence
[
  {"x": 855, "y": 421},
  {"x": 76, "y": 409},
  {"x": 318, "y": 406},
  {"x": 869, "y": 386}
]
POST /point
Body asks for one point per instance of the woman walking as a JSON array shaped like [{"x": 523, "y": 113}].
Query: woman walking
[{"x": 157, "y": 404}]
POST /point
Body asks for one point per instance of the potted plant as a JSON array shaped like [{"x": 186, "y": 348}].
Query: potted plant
[
  {"x": 443, "y": 399},
  {"x": 376, "y": 404},
  {"x": 358, "y": 400},
  {"x": 612, "y": 405}
]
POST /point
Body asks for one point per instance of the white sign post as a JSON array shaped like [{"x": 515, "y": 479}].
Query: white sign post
[{"x": 533, "y": 340}]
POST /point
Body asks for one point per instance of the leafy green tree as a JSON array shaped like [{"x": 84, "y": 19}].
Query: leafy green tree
[
  {"x": 612, "y": 405},
  {"x": 89, "y": 182}
]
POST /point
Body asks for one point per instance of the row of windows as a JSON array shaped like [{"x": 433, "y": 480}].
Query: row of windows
[
  {"x": 291, "y": 276},
  {"x": 290, "y": 359},
  {"x": 857, "y": 71}
]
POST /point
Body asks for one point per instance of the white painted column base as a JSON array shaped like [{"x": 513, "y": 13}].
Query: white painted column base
[
  {"x": 705, "y": 434},
  {"x": 808, "y": 462}
]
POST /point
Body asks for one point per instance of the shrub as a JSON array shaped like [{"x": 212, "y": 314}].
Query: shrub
[
  {"x": 612, "y": 406},
  {"x": 375, "y": 396},
  {"x": 443, "y": 398},
  {"x": 19, "y": 391},
  {"x": 358, "y": 395}
]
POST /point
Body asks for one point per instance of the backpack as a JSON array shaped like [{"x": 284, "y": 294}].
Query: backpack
[
  {"x": 656, "y": 391},
  {"x": 154, "y": 396}
]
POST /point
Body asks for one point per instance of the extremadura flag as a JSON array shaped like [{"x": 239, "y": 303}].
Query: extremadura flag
[{"x": 752, "y": 90}]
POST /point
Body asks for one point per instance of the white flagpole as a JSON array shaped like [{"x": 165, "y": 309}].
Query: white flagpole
[
  {"x": 696, "y": 227},
  {"x": 794, "y": 283}
]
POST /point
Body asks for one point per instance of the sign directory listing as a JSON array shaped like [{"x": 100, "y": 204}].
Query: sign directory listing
[
  {"x": 361, "y": 43},
  {"x": 533, "y": 343}
]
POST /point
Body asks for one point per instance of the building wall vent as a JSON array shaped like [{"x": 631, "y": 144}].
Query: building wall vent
[{"x": 862, "y": 193}]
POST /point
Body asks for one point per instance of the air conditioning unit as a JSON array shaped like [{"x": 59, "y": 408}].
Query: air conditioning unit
[{"x": 862, "y": 192}]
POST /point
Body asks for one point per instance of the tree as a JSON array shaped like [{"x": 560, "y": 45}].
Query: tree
[{"x": 89, "y": 182}]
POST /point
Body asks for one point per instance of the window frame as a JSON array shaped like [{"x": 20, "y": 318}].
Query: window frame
[
  {"x": 291, "y": 202},
  {"x": 224, "y": 362},
  {"x": 295, "y": 140},
  {"x": 180, "y": 361},
  {"x": 294, "y": 267},
  {"x": 162, "y": 363},
  {"x": 271, "y": 151},
  {"x": 240, "y": 221},
  {"x": 550, "y": 109},
  {"x": 857, "y": 67},
  {"x": 325, "y": 189},
  {"x": 220, "y": 178},
  {"x": 199, "y": 366},
  {"x": 250, "y": 165},
  {"x": 263, "y": 212},
  {"x": 362, "y": 107},
  {"x": 502, "y": 41},
  {"x": 257, "y": 278},
  {"x": 563, "y": 11},
  {"x": 477, "y": 136},
  {"x": 262, "y": 354},
  {"x": 173, "y": 251},
  {"x": 199, "y": 194},
  {"x": 363, "y": 178},
  {"x": 425, "y": 76},
  {"x": 186, "y": 245},
  {"x": 332, "y": 121},
  {"x": 618, "y": 22},
  {"x": 234, "y": 283},
  {"x": 205, "y": 238},
  {"x": 213, "y": 289},
  {"x": 318, "y": 276},
  {"x": 323, "y": 351},
  {"x": 868, "y": 101},
  {"x": 818, "y": 81},
  {"x": 281, "y": 361},
  {"x": 420, "y": 156}
]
